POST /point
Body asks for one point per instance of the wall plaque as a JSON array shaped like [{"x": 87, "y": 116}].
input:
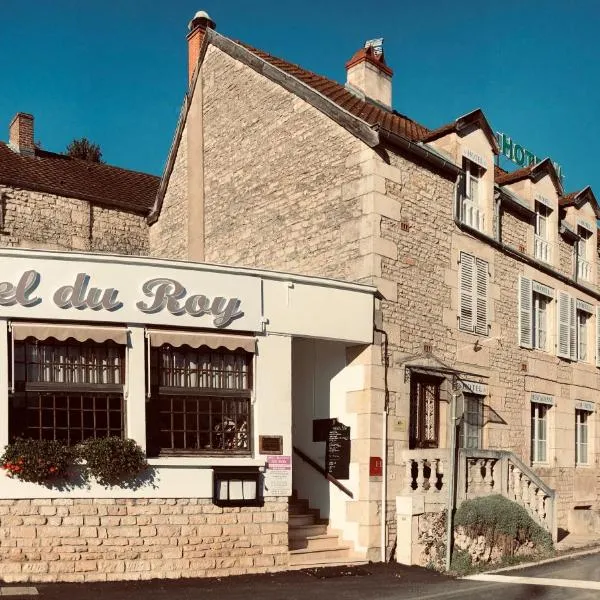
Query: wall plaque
[
  {"x": 270, "y": 444},
  {"x": 337, "y": 451}
]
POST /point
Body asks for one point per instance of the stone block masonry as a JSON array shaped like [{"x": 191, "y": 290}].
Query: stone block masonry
[{"x": 78, "y": 540}]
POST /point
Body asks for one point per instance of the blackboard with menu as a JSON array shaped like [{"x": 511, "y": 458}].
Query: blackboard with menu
[{"x": 337, "y": 451}]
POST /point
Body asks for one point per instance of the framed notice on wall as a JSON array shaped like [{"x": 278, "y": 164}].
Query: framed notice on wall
[{"x": 337, "y": 451}]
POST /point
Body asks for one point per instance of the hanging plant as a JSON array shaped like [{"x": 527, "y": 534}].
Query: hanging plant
[
  {"x": 112, "y": 461},
  {"x": 37, "y": 461}
]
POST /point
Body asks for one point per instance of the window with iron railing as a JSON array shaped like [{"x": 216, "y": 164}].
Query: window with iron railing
[
  {"x": 471, "y": 201},
  {"x": 584, "y": 266},
  {"x": 541, "y": 244},
  {"x": 200, "y": 401},
  {"x": 68, "y": 391}
]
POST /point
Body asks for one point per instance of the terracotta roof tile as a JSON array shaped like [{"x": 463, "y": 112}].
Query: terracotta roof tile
[
  {"x": 509, "y": 177},
  {"x": 370, "y": 112},
  {"x": 74, "y": 178}
]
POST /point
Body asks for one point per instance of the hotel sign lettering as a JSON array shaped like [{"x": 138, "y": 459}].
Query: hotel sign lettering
[
  {"x": 520, "y": 155},
  {"x": 161, "y": 294}
]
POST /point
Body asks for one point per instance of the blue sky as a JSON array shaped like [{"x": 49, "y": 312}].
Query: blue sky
[{"x": 115, "y": 71}]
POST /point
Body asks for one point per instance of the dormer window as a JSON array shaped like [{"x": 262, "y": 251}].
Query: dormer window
[
  {"x": 584, "y": 267},
  {"x": 541, "y": 244},
  {"x": 471, "y": 205}
]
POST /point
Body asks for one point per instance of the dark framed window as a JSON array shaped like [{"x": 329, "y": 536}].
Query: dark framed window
[
  {"x": 424, "y": 411},
  {"x": 200, "y": 401},
  {"x": 68, "y": 391}
]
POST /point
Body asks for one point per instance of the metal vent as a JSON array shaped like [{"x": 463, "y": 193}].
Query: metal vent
[{"x": 376, "y": 44}]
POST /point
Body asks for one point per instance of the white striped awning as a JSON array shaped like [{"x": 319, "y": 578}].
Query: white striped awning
[
  {"x": 158, "y": 337},
  {"x": 62, "y": 332}
]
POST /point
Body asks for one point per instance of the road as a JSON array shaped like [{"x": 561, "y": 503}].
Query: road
[{"x": 568, "y": 579}]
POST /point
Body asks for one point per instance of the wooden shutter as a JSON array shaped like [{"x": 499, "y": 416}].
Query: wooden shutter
[
  {"x": 466, "y": 318},
  {"x": 525, "y": 312},
  {"x": 481, "y": 297},
  {"x": 563, "y": 347},
  {"x": 598, "y": 336},
  {"x": 573, "y": 327}
]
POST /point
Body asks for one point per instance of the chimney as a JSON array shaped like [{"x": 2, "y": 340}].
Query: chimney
[
  {"x": 20, "y": 137},
  {"x": 197, "y": 28},
  {"x": 368, "y": 74}
]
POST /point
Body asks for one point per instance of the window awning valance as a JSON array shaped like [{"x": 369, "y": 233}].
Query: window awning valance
[
  {"x": 81, "y": 333},
  {"x": 158, "y": 337}
]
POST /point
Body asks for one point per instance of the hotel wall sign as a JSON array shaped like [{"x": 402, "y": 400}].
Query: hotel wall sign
[{"x": 519, "y": 154}]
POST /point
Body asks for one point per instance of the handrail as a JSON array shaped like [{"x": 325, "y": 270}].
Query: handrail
[{"x": 323, "y": 472}]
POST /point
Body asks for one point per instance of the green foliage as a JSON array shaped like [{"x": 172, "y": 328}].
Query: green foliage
[
  {"x": 38, "y": 461},
  {"x": 502, "y": 523},
  {"x": 112, "y": 460},
  {"x": 461, "y": 562},
  {"x": 85, "y": 150}
]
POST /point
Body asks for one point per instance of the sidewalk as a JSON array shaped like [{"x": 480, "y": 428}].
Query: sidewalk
[{"x": 375, "y": 580}]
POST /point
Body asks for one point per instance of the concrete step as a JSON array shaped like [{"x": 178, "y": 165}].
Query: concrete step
[
  {"x": 299, "y": 520},
  {"x": 331, "y": 562},
  {"x": 304, "y": 556},
  {"x": 304, "y": 531},
  {"x": 315, "y": 542}
]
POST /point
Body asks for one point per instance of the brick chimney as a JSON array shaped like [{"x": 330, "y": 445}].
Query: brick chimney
[
  {"x": 367, "y": 73},
  {"x": 20, "y": 137},
  {"x": 197, "y": 28}
]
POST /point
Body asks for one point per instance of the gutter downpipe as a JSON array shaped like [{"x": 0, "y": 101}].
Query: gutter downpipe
[{"x": 384, "y": 417}]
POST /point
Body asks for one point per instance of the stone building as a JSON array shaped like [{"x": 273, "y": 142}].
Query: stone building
[{"x": 489, "y": 282}]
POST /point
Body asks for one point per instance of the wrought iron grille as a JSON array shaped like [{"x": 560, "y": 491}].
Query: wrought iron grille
[{"x": 200, "y": 401}]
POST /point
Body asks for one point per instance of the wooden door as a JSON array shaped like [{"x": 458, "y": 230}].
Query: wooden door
[{"x": 424, "y": 412}]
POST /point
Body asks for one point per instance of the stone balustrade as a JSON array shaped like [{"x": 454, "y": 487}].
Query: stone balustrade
[{"x": 480, "y": 473}]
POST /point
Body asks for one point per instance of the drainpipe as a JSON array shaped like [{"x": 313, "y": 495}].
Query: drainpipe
[
  {"x": 384, "y": 417},
  {"x": 451, "y": 482}
]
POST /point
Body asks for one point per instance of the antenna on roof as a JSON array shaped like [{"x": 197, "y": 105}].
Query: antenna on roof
[{"x": 376, "y": 44}]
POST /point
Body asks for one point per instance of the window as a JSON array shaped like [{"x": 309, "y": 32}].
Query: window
[
  {"x": 424, "y": 412},
  {"x": 581, "y": 437},
  {"x": 200, "y": 401},
  {"x": 539, "y": 432},
  {"x": 68, "y": 391},
  {"x": 582, "y": 335},
  {"x": 472, "y": 422},
  {"x": 471, "y": 206},
  {"x": 473, "y": 304},
  {"x": 534, "y": 311},
  {"x": 584, "y": 267},
  {"x": 540, "y": 321},
  {"x": 541, "y": 242}
]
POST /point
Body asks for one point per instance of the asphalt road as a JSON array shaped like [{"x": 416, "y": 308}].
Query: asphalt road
[{"x": 569, "y": 579}]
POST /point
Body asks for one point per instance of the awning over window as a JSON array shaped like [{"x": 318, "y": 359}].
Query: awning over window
[
  {"x": 158, "y": 337},
  {"x": 81, "y": 333}
]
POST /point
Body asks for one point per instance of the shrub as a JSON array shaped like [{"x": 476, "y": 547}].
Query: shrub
[
  {"x": 502, "y": 522},
  {"x": 37, "y": 461},
  {"x": 112, "y": 460}
]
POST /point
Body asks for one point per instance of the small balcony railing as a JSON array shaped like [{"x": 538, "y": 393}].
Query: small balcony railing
[
  {"x": 472, "y": 215},
  {"x": 584, "y": 270},
  {"x": 542, "y": 249}
]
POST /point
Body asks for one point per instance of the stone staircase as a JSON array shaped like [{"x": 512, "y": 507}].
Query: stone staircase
[{"x": 312, "y": 542}]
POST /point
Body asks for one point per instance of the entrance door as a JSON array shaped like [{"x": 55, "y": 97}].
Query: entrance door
[{"x": 424, "y": 412}]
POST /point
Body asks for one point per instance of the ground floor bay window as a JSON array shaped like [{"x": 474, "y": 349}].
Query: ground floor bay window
[
  {"x": 200, "y": 401},
  {"x": 67, "y": 390}
]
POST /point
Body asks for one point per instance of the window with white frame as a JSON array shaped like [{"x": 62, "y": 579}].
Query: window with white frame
[
  {"x": 534, "y": 309},
  {"x": 584, "y": 266},
  {"x": 541, "y": 238},
  {"x": 472, "y": 422},
  {"x": 473, "y": 291},
  {"x": 582, "y": 335},
  {"x": 472, "y": 212},
  {"x": 581, "y": 437},
  {"x": 539, "y": 432}
]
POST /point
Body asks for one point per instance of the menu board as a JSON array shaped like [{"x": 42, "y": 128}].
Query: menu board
[{"x": 337, "y": 451}]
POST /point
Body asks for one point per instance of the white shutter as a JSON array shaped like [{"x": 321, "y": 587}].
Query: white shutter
[
  {"x": 525, "y": 312},
  {"x": 481, "y": 297},
  {"x": 563, "y": 347},
  {"x": 466, "y": 285},
  {"x": 573, "y": 328},
  {"x": 598, "y": 336}
]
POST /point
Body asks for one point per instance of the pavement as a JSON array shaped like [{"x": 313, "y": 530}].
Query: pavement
[{"x": 574, "y": 577}]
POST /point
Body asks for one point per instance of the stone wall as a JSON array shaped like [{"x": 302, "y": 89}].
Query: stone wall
[
  {"x": 127, "y": 539},
  {"x": 47, "y": 221}
]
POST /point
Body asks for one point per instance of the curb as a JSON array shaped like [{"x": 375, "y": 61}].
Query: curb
[
  {"x": 588, "y": 551},
  {"x": 18, "y": 591}
]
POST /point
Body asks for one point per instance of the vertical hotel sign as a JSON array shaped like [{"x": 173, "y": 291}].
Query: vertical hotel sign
[{"x": 520, "y": 155}]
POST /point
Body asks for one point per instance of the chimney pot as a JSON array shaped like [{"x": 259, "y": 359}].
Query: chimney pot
[
  {"x": 197, "y": 28},
  {"x": 20, "y": 136},
  {"x": 368, "y": 73}
]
